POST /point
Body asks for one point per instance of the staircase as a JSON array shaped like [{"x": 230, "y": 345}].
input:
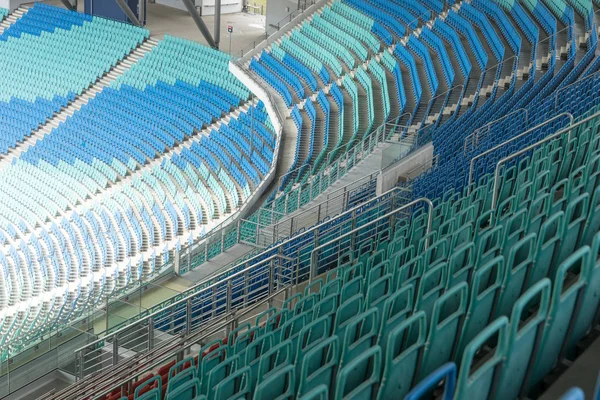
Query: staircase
[{"x": 12, "y": 18}]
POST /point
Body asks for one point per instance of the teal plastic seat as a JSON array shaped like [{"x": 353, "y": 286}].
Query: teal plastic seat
[
  {"x": 485, "y": 291},
  {"x": 519, "y": 265},
  {"x": 361, "y": 333},
  {"x": 310, "y": 335},
  {"x": 523, "y": 331},
  {"x": 347, "y": 311},
  {"x": 279, "y": 385},
  {"x": 445, "y": 328},
  {"x": 235, "y": 386},
  {"x": 562, "y": 308},
  {"x": 318, "y": 393},
  {"x": 254, "y": 353},
  {"x": 189, "y": 390},
  {"x": 276, "y": 357},
  {"x": 547, "y": 247},
  {"x": 433, "y": 285},
  {"x": 319, "y": 365},
  {"x": 396, "y": 309},
  {"x": 403, "y": 357},
  {"x": 360, "y": 377},
  {"x": 475, "y": 380},
  {"x": 219, "y": 373}
]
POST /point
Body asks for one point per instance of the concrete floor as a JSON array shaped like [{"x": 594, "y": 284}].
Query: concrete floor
[{"x": 163, "y": 20}]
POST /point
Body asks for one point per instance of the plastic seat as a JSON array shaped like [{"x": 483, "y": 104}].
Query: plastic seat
[
  {"x": 278, "y": 385},
  {"x": 359, "y": 378}
]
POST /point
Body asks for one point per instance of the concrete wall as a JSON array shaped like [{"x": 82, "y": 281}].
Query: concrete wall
[
  {"x": 279, "y": 9},
  {"x": 408, "y": 167},
  {"x": 207, "y": 7}
]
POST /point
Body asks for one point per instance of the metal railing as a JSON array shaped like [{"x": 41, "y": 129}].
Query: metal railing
[
  {"x": 555, "y": 135},
  {"x": 475, "y": 137},
  {"x": 234, "y": 289},
  {"x": 485, "y": 153},
  {"x": 220, "y": 296}
]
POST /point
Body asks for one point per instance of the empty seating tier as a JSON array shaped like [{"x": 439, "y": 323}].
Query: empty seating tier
[{"x": 48, "y": 57}]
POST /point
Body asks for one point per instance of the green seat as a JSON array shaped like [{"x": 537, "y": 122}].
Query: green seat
[
  {"x": 476, "y": 379},
  {"x": 403, "y": 357},
  {"x": 150, "y": 382},
  {"x": 178, "y": 377},
  {"x": 190, "y": 390},
  {"x": 523, "y": 331},
  {"x": 219, "y": 373},
  {"x": 562, "y": 309},
  {"x": 360, "y": 377},
  {"x": 279, "y": 385},
  {"x": 361, "y": 333},
  {"x": 547, "y": 247},
  {"x": 592, "y": 223},
  {"x": 310, "y": 335},
  {"x": 276, "y": 357},
  {"x": 332, "y": 287},
  {"x": 378, "y": 292},
  {"x": 396, "y": 308},
  {"x": 519, "y": 265},
  {"x": 235, "y": 386},
  {"x": 351, "y": 289},
  {"x": 409, "y": 272},
  {"x": 254, "y": 352},
  {"x": 346, "y": 312},
  {"x": 318, "y": 393},
  {"x": 328, "y": 305},
  {"x": 433, "y": 284},
  {"x": 445, "y": 328},
  {"x": 207, "y": 363},
  {"x": 574, "y": 222},
  {"x": 538, "y": 213},
  {"x": 485, "y": 291},
  {"x": 319, "y": 366}
]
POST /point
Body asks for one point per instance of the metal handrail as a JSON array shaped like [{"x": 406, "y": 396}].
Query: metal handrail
[
  {"x": 578, "y": 81},
  {"x": 472, "y": 136},
  {"x": 191, "y": 295},
  {"x": 313, "y": 260},
  {"x": 565, "y": 114},
  {"x": 533, "y": 146}
]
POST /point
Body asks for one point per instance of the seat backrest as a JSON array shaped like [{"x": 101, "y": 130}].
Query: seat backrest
[
  {"x": 361, "y": 334},
  {"x": 149, "y": 382},
  {"x": 319, "y": 366},
  {"x": 403, "y": 356},
  {"x": 219, "y": 373},
  {"x": 359, "y": 378},
  {"x": 235, "y": 386},
  {"x": 433, "y": 284},
  {"x": 396, "y": 309},
  {"x": 475, "y": 380},
  {"x": 318, "y": 393},
  {"x": 184, "y": 376},
  {"x": 346, "y": 311},
  {"x": 189, "y": 390},
  {"x": 278, "y": 356},
  {"x": 445, "y": 328},
  {"x": 485, "y": 292},
  {"x": 280, "y": 385},
  {"x": 525, "y": 330},
  {"x": 569, "y": 284},
  {"x": 519, "y": 264}
]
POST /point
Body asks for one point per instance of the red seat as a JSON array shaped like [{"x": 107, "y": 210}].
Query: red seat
[{"x": 165, "y": 368}]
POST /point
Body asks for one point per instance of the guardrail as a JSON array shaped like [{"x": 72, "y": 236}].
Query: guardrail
[{"x": 249, "y": 282}]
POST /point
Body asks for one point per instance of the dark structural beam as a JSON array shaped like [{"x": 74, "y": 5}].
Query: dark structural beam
[
  {"x": 199, "y": 23},
  {"x": 128, "y": 12}
]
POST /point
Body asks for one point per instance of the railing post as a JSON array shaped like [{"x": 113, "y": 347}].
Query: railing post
[
  {"x": 150, "y": 333},
  {"x": 81, "y": 364},
  {"x": 239, "y": 227},
  {"x": 188, "y": 319},
  {"x": 246, "y": 286},
  {"x": 115, "y": 356}
]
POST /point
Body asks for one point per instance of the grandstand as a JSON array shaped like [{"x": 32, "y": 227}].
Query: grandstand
[{"x": 385, "y": 199}]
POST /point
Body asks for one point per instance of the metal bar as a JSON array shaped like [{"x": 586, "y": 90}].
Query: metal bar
[
  {"x": 578, "y": 81},
  {"x": 199, "y": 23},
  {"x": 128, "y": 12},
  {"x": 68, "y": 4},
  {"x": 217, "y": 27},
  {"x": 142, "y": 8},
  {"x": 313, "y": 253},
  {"x": 511, "y": 140},
  {"x": 533, "y": 146},
  {"x": 493, "y": 122}
]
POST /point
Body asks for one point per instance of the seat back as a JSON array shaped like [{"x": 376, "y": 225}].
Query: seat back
[
  {"x": 524, "y": 333},
  {"x": 360, "y": 377},
  {"x": 235, "y": 386},
  {"x": 189, "y": 390},
  {"x": 475, "y": 380},
  {"x": 279, "y": 385},
  {"x": 403, "y": 357},
  {"x": 319, "y": 366}
]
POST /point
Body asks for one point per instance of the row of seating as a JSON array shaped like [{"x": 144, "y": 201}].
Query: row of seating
[
  {"x": 49, "y": 56},
  {"x": 87, "y": 210},
  {"x": 398, "y": 300}
]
